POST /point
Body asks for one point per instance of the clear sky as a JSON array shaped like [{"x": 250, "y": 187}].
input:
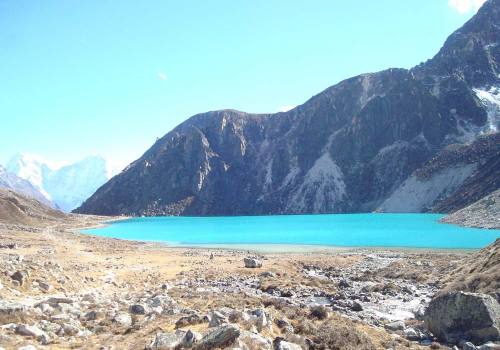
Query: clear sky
[{"x": 109, "y": 76}]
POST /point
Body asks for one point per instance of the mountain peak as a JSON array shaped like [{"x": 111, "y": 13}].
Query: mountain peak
[{"x": 471, "y": 52}]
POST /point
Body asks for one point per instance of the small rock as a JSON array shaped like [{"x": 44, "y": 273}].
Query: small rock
[
  {"x": 356, "y": 307},
  {"x": 216, "y": 319},
  {"x": 138, "y": 309},
  {"x": 123, "y": 319},
  {"x": 284, "y": 325},
  {"x": 280, "y": 344},
  {"x": 59, "y": 300},
  {"x": 70, "y": 329},
  {"x": 44, "y": 286}
]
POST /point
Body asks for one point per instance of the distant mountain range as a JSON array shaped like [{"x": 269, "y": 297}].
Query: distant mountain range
[
  {"x": 13, "y": 182},
  {"x": 395, "y": 140},
  {"x": 65, "y": 187}
]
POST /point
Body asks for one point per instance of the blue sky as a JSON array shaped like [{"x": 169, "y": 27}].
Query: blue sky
[{"x": 108, "y": 77}]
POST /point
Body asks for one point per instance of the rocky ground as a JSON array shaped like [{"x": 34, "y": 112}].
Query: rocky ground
[{"x": 60, "y": 289}]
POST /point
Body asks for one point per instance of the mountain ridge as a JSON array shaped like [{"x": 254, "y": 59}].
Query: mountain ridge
[{"x": 346, "y": 149}]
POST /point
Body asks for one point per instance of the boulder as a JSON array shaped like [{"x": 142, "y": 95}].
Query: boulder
[
  {"x": 220, "y": 337},
  {"x": 190, "y": 338},
  {"x": 165, "y": 341},
  {"x": 252, "y": 263},
  {"x": 255, "y": 341},
  {"x": 188, "y": 320},
  {"x": 29, "y": 331},
  {"x": 357, "y": 307},
  {"x": 411, "y": 334},
  {"x": 457, "y": 316},
  {"x": 284, "y": 325},
  {"x": 20, "y": 276},
  {"x": 280, "y": 344},
  {"x": 395, "y": 326},
  {"x": 123, "y": 319},
  {"x": 217, "y": 319}
]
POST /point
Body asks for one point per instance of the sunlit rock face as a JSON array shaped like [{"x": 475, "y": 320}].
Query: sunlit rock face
[{"x": 367, "y": 143}]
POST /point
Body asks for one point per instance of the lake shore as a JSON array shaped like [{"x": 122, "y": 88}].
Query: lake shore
[{"x": 363, "y": 288}]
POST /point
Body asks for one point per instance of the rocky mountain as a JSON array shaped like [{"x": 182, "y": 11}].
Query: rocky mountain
[
  {"x": 18, "y": 209},
  {"x": 66, "y": 186},
  {"x": 13, "y": 182},
  {"x": 364, "y": 144}
]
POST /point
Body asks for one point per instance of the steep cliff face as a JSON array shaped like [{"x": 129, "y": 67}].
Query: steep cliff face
[{"x": 354, "y": 147}]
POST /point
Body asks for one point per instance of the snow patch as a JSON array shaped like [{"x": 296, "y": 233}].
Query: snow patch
[{"x": 415, "y": 195}]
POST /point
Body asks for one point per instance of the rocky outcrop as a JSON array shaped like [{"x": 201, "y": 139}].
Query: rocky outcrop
[
  {"x": 355, "y": 147},
  {"x": 458, "y": 316}
]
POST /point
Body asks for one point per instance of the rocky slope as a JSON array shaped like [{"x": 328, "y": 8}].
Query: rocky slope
[
  {"x": 484, "y": 213},
  {"x": 67, "y": 186},
  {"x": 478, "y": 273},
  {"x": 13, "y": 182},
  {"x": 21, "y": 210},
  {"x": 357, "y": 146}
]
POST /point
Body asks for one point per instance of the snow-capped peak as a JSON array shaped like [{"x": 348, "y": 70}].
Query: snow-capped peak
[{"x": 66, "y": 185}]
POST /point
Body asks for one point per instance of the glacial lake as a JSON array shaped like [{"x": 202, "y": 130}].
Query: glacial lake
[{"x": 336, "y": 230}]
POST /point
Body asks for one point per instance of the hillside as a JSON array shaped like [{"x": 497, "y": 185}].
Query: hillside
[
  {"x": 358, "y": 146},
  {"x": 18, "y": 209},
  {"x": 479, "y": 273}
]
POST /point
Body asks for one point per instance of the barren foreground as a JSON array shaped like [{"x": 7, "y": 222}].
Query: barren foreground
[{"x": 62, "y": 289}]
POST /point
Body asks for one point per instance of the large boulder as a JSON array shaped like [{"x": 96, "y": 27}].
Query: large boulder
[
  {"x": 252, "y": 263},
  {"x": 457, "y": 316},
  {"x": 219, "y": 338}
]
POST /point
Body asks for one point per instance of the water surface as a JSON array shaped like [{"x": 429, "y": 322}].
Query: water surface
[{"x": 340, "y": 230}]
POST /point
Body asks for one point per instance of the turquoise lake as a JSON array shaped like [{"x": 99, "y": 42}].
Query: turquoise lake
[{"x": 341, "y": 230}]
